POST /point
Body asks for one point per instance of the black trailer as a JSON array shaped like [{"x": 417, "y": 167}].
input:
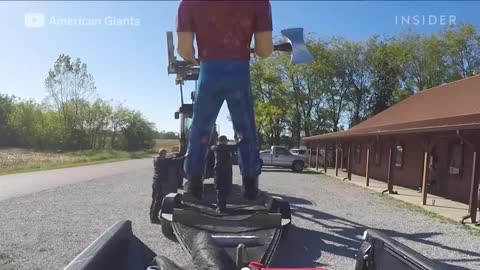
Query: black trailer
[
  {"x": 248, "y": 232},
  {"x": 119, "y": 249}
]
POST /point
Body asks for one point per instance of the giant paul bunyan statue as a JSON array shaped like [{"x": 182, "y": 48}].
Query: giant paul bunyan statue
[{"x": 223, "y": 31}]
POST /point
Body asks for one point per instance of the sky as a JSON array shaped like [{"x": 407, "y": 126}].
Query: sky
[{"x": 124, "y": 43}]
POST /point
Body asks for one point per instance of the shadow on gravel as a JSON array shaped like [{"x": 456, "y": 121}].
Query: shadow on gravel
[
  {"x": 343, "y": 239},
  {"x": 275, "y": 169},
  {"x": 292, "y": 200},
  {"x": 302, "y": 248}
]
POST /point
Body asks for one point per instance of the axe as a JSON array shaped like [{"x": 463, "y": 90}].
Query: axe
[{"x": 295, "y": 45}]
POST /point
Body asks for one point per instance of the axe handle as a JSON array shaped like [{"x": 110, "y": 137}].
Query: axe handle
[{"x": 283, "y": 47}]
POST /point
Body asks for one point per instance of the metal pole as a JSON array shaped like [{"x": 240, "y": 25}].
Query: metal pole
[
  {"x": 341, "y": 157},
  {"x": 474, "y": 190},
  {"x": 181, "y": 92},
  {"x": 325, "y": 159},
  {"x": 424, "y": 180},
  {"x": 349, "y": 162},
  {"x": 310, "y": 157},
  {"x": 389, "y": 174},
  {"x": 240, "y": 258},
  {"x": 336, "y": 159},
  {"x": 367, "y": 167}
]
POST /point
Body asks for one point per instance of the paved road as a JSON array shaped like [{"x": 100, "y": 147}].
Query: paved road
[
  {"x": 47, "y": 229},
  {"x": 26, "y": 183}
]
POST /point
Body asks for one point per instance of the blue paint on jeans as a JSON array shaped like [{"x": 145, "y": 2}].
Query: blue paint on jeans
[{"x": 221, "y": 81}]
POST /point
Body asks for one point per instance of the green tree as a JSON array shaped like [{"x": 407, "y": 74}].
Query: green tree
[
  {"x": 69, "y": 86},
  {"x": 386, "y": 59},
  {"x": 462, "y": 46},
  {"x": 50, "y": 133},
  {"x": 118, "y": 121},
  {"x": 25, "y": 120},
  {"x": 338, "y": 81},
  {"x": 426, "y": 65},
  {"x": 97, "y": 116},
  {"x": 303, "y": 84},
  {"x": 138, "y": 132},
  {"x": 271, "y": 119},
  {"x": 7, "y": 104},
  {"x": 271, "y": 102},
  {"x": 359, "y": 74}
]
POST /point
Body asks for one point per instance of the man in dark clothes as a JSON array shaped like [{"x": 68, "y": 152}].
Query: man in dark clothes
[
  {"x": 209, "y": 170},
  {"x": 175, "y": 170},
  {"x": 223, "y": 171},
  {"x": 223, "y": 31},
  {"x": 432, "y": 174},
  {"x": 164, "y": 180}
]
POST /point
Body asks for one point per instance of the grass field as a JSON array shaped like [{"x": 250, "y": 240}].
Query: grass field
[
  {"x": 16, "y": 160},
  {"x": 170, "y": 145},
  {"x": 24, "y": 160}
]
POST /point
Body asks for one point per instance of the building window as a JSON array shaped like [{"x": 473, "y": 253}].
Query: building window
[
  {"x": 376, "y": 154},
  {"x": 358, "y": 153},
  {"x": 399, "y": 156},
  {"x": 456, "y": 159}
]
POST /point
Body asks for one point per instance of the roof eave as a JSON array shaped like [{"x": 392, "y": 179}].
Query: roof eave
[{"x": 358, "y": 133}]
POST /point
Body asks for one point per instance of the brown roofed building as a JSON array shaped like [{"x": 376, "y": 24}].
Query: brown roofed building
[{"x": 429, "y": 141}]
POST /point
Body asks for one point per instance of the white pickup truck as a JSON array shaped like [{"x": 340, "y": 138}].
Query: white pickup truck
[{"x": 280, "y": 157}]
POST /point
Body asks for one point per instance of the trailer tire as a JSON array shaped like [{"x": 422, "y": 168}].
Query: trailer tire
[
  {"x": 281, "y": 206},
  {"x": 286, "y": 214},
  {"x": 297, "y": 166},
  {"x": 170, "y": 201}
]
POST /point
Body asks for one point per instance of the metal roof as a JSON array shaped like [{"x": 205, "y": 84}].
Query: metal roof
[{"x": 451, "y": 106}]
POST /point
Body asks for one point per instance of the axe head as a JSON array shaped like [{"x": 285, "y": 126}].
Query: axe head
[{"x": 300, "y": 52}]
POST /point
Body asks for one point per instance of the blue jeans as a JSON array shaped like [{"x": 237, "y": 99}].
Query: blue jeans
[{"x": 223, "y": 81}]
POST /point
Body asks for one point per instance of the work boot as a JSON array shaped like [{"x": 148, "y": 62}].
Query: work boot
[
  {"x": 250, "y": 187},
  {"x": 195, "y": 187}
]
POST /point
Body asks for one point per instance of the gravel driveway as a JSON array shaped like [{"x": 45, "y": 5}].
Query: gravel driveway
[{"x": 46, "y": 230}]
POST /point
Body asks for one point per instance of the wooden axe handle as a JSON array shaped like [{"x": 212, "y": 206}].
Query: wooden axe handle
[{"x": 283, "y": 47}]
